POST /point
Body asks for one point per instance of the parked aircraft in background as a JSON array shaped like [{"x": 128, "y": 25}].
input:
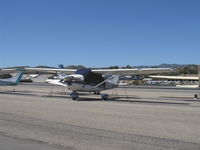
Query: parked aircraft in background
[
  {"x": 11, "y": 81},
  {"x": 94, "y": 80}
]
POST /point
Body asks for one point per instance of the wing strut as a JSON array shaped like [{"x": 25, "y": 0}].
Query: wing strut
[{"x": 103, "y": 82}]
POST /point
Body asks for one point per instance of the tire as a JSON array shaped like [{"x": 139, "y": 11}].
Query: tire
[
  {"x": 74, "y": 96},
  {"x": 105, "y": 96}
]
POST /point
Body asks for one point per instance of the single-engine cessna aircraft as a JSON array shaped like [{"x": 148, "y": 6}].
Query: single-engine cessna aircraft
[{"x": 94, "y": 80}]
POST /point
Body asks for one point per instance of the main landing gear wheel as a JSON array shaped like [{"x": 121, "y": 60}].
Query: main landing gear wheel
[
  {"x": 97, "y": 93},
  {"x": 104, "y": 96},
  {"x": 74, "y": 96}
]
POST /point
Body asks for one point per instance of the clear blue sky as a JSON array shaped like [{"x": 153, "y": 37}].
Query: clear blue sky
[{"x": 98, "y": 33}]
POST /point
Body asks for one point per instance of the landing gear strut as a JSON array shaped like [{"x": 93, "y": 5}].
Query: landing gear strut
[
  {"x": 97, "y": 93},
  {"x": 74, "y": 95}
]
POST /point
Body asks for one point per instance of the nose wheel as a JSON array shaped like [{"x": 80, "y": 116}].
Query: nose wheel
[
  {"x": 74, "y": 96},
  {"x": 104, "y": 96}
]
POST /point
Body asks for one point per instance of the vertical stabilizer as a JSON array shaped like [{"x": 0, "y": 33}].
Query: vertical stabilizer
[
  {"x": 16, "y": 79},
  {"x": 114, "y": 80},
  {"x": 61, "y": 66}
]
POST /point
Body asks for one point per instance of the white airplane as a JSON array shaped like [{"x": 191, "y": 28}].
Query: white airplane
[
  {"x": 93, "y": 80},
  {"x": 11, "y": 81}
]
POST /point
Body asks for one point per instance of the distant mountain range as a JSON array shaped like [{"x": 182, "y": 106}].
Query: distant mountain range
[
  {"x": 165, "y": 66},
  {"x": 173, "y": 66},
  {"x": 179, "y": 69}
]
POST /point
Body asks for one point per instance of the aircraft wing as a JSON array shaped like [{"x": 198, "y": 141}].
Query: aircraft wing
[
  {"x": 11, "y": 70},
  {"x": 132, "y": 71},
  {"x": 51, "y": 70},
  {"x": 176, "y": 77},
  {"x": 104, "y": 71}
]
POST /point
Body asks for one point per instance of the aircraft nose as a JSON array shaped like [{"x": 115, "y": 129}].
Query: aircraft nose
[{"x": 68, "y": 78}]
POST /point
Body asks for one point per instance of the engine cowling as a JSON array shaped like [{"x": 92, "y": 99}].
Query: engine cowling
[{"x": 74, "y": 78}]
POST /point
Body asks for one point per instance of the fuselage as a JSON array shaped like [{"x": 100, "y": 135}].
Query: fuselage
[
  {"x": 86, "y": 81},
  {"x": 5, "y": 83},
  {"x": 82, "y": 87}
]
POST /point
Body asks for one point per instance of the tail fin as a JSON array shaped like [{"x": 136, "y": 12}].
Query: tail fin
[
  {"x": 114, "y": 80},
  {"x": 61, "y": 66},
  {"x": 16, "y": 79}
]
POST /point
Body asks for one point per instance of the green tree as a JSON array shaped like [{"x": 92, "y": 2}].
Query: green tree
[{"x": 114, "y": 67}]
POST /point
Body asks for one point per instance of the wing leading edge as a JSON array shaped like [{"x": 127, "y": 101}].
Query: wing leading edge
[
  {"x": 105, "y": 71},
  {"x": 132, "y": 71},
  {"x": 51, "y": 70},
  {"x": 176, "y": 77}
]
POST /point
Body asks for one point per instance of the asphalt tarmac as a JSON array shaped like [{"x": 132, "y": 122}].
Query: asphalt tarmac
[{"x": 43, "y": 117}]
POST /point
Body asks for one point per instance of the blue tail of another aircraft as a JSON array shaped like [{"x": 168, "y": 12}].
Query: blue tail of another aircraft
[{"x": 61, "y": 66}]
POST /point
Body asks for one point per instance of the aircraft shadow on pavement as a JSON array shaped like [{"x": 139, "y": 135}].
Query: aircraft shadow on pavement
[
  {"x": 132, "y": 100},
  {"x": 192, "y": 100},
  {"x": 124, "y": 99},
  {"x": 148, "y": 102}
]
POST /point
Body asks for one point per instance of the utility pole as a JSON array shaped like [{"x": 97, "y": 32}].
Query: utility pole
[
  {"x": 197, "y": 95},
  {"x": 199, "y": 80},
  {"x": 199, "y": 74}
]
